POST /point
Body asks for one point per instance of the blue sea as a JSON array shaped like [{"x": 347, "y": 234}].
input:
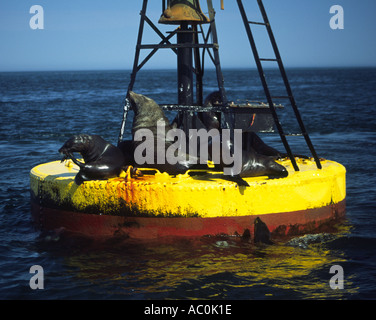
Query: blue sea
[{"x": 41, "y": 110}]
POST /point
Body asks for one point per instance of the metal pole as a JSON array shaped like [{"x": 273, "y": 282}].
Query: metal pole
[
  {"x": 216, "y": 53},
  {"x": 127, "y": 105},
  {"x": 265, "y": 86},
  {"x": 198, "y": 70},
  {"x": 287, "y": 85},
  {"x": 185, "y": 74}
]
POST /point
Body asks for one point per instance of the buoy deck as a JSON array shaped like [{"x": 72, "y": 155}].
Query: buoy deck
[{"x": 162, "y": 205}]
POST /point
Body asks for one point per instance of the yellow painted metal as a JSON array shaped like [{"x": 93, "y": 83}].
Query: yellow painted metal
[
  {"x": 179, "y": 11},
  {"x": 207, "y": 195}
]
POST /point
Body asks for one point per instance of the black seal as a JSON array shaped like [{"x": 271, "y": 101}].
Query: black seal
[{"x": 102, "y": 160}]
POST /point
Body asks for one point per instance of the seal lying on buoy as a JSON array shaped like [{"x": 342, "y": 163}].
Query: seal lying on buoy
[
  {"x": 255, "y": 165},
  {"x": 250, "y": 140},
  {"x": 148, "y": 116},
  {"x": 257, "y": 157},
  {"x": 102, "y": 159}
]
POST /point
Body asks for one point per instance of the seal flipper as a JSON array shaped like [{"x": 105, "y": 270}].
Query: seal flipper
[
  {"x": 79, "y": 163},
  {"x": 237, "y": 178},
  {"x": 254, "y": 165},
  {"x": 78, "y": 179}
]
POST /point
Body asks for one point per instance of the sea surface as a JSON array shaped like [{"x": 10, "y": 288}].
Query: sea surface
[{"x": 41, "y": 110}]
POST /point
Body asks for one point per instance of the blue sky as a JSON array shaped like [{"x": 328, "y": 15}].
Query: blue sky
[{"x": 95, "y": 35}]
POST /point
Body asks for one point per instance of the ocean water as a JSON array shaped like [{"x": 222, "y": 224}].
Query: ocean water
[{"x": 41, "y": 110}]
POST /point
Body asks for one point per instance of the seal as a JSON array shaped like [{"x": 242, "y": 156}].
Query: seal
[
  {"x": 102, "y": 159},
  {"x": 255, "y": 165},
  {"x": 257, "y": 157},
  {"x": 250, "y": 140},
  {"x": 261, "y": 232},
  {"x": 149, "y": 116},
  {"x": 126, "y": 146}
]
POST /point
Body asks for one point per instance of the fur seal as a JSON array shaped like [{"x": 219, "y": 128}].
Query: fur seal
[
  {"x": 126, "y": 146},
  {"x": 255, "y": 165},
  {"x": 148, "y": 115},
  {"x": 250, "y": 140},
  {"x": 102, "y": 159},
  {"x": 261, "y": 232},
  {"x": 257, "y": 157}
]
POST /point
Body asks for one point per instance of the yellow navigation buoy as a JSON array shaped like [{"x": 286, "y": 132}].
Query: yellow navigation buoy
[{"x": 157, "y": 204}]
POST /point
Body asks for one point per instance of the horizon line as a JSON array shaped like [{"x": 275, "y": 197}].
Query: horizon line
[{"x": 175, "y": 69}]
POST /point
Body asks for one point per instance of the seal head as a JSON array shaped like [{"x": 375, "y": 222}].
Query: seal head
[{"x": 262, "y": 233}]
